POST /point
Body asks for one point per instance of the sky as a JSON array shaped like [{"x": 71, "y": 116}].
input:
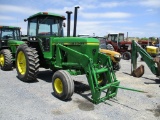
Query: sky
[{"x": 140, "y": 18}]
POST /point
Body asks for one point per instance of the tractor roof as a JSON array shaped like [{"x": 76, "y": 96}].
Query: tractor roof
[
  {"x": 46, "y": 14},
  {"x": 12, "y": 27}
]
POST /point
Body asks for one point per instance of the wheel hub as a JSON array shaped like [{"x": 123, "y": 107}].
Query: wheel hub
[
  {"x": 1, "y": 60},
  {"x": 58, "y": 85},
  {"x": 21, "y": 63}
]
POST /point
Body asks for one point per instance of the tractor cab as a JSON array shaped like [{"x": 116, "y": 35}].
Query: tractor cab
[
  {"x": 8, "y": 33},
  {"x": 44, "y": 25},
  {"x": 116, "y": 37}
]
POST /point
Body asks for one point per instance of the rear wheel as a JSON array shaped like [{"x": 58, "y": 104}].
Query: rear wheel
[
  {"x": 27, "y": 63},
  {"x": 126, "y": 55},
  {"x": 6, "y": 62},
  {"x": 63, "y": 85}
]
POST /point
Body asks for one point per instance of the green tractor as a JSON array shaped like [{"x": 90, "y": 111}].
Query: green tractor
[
  {"x": 9, "y": 40},
  {"x": 66, "y": 56}
]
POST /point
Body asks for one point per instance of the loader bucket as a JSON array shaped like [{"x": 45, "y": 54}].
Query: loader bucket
[{"x": 138, "y": 72}]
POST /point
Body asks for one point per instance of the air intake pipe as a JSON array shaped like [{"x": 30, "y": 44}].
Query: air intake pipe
[
  {"x": 75, "y": 21},
  {"x": 68, "y": 22}
]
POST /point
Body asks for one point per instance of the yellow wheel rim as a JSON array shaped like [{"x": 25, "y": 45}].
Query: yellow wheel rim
[
  {"x": 1, "y": 60},
  {"x": 100, "y": 79},
  {"x": 21, "y": 63},
  {"x": 58, "y": 85}
]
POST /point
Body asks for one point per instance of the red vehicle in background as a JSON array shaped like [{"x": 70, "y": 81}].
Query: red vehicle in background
[
  {"x": 120, "y": 45},
  {"x": 145, "y": 43}
]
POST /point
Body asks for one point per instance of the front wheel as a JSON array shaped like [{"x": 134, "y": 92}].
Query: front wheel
[
  {"x": 63, "y": 85},
  {"x": 116, "y": 66}
]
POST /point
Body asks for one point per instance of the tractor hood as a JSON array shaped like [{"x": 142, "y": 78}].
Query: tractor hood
[
  {"x": 15, "y": 42},
  {"x": 109, "y": 52},
  {"x": 86, "y": 46},
  {"x": 115, "y": 56},
  {"x": 75, "y": 41}
]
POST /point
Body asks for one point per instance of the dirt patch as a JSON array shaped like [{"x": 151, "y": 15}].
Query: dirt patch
[
  {"x": 155, "y": 111},
  {"x": 84, "y": 105},
  {"x": 65, "y": 109},
  {"x": 57, "y": 112},
  {"x": 150, "y": 96}
]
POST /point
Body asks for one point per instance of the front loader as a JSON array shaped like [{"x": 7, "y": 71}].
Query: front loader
[
  {"x": 152, "y": 63},
  {"x": 48, "y": 48},
  {"x": 9, "y": 40}
]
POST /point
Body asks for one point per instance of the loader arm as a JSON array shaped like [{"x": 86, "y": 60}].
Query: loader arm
[
  {"x": 92, "y": 71},
  {"x": 151, "y": 63}
]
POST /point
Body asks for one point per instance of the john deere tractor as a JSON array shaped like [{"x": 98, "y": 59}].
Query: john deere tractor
[
  {"x": 9, "y": 40},
  {"x": 48, "y": 48}
]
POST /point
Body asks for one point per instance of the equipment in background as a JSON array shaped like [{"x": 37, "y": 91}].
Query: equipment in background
[
  {"x": 10, "y": 39},
  {"x": 120, "y": 45},
  {"x": 152, "y": 63}
]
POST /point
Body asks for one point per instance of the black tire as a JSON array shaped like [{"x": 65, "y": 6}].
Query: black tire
[
  {"x": 126, "y": 55},
  {"x": 116, "y": 66},
  {"x": 62, "y": 79},
  {"x": 7, "y": 60},
  {"x": 31, "y": 63}
]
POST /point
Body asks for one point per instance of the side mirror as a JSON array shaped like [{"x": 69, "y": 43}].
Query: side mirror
[{"x": 64, "y": 25}]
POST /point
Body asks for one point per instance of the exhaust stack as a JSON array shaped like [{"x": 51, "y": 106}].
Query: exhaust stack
[
  {"x": 75, "y": 21},
  {"x": 68, "y": 22}
]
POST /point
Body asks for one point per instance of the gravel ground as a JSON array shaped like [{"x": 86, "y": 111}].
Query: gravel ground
[{"x": 36, "y": 101}]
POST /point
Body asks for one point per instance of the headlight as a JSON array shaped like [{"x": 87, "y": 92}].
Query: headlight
[
  {"x": 32, "y": 39},
  {"x": 117, "y": 55}
]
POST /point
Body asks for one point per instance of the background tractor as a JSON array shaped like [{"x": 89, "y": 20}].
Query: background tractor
[
  {"x": 9, "y": 40},
  {"x": 149, "y": 46},
  {"x": 115, "y": 57},
  {"x": 119, "y": 45},
  {"x": 109, "y": 50}
]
